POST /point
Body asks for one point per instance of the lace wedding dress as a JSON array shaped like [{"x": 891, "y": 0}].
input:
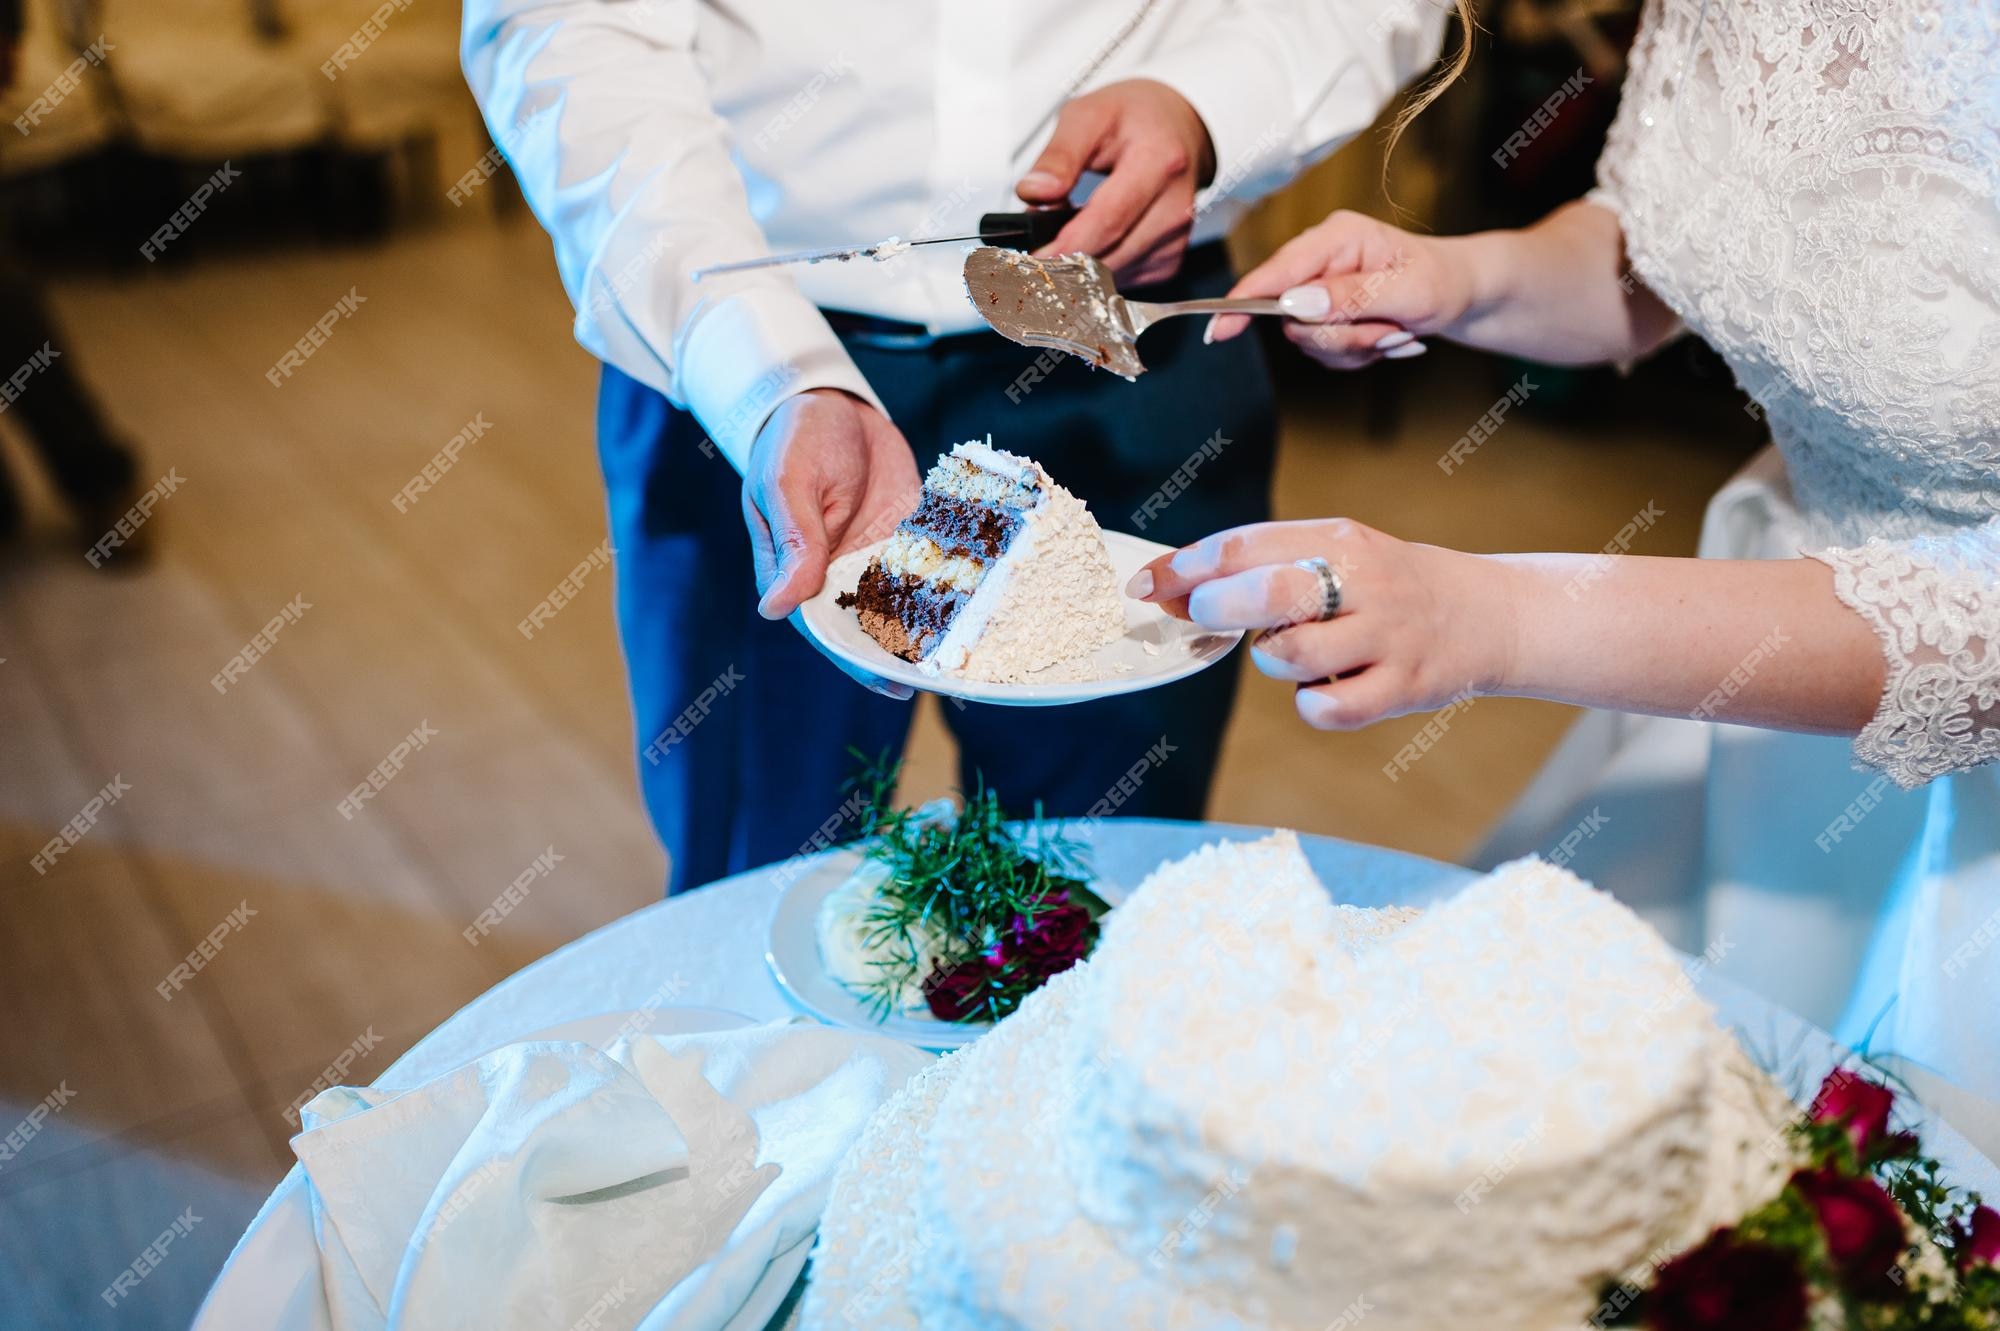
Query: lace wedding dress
[{"x": 1814, "y": 187}]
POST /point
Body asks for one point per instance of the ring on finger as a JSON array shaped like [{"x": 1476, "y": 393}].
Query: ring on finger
[{"x": 1330, "y": 586}]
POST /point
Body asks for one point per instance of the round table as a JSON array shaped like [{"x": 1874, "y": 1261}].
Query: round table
[{"x": 706, "y": 948}]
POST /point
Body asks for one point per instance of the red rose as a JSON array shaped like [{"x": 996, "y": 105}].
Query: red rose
[
  {"x": 1979, "y": 1241},
  {"x": 1727, "y": 1285},
  {"x": 1862, "y": 1105},
  {"x": 1865, "y": 1231},
  {"x": 952, "y": 991},
  {"x": 1059, "y": 935}
]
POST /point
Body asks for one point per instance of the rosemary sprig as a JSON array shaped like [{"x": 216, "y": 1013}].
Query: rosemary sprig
[{"x": 961, "y": 880}]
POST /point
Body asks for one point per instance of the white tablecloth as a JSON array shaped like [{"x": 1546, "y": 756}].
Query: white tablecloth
[{"x": 706, "y": 949}]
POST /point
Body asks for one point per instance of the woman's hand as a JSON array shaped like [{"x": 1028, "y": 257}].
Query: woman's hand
[
  {"x": 1382, "y": 287},
  {"x": 1418, "y": 625}
]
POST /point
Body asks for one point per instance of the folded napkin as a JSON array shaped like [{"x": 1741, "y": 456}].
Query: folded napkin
[{"x": 554, "y": 1185}]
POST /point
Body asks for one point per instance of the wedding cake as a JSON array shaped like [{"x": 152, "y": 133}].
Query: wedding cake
[
  {"x": 1254, "y": 1108},
  {"x": 999, "y": 573}
]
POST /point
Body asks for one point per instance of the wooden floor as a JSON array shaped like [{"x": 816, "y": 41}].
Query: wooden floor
[{"x": 286, "y": 493}]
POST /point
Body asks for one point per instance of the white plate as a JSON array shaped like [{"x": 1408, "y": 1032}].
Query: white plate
[
  {"x": 1156, "y": 649},
  {"x": 272, "y": 1280},
  {"x": 792, "y": 953}
]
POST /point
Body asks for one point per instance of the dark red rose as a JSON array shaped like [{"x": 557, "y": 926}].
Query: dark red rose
[
  {"x": 952, "y": 991},
  {"x": 1865, "y": 1231},
  {"x": 1729, "y": 1285},
  {"x": 1979, "y": 1241},
  {"x": 1862, "y": 1105},
  {"x": 1059, "y": 935}
]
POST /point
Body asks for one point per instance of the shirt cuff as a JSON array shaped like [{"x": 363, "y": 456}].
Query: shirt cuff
[
  {"x": 1243, "y": 98},
  {"x": 744, "y": 354}
]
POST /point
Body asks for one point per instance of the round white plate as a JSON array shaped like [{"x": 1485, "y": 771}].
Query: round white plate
[
  {"x": 1156, "y": 649},
  {"x": 792, "y": 953},
  {"x": 272, "y": 1280}
]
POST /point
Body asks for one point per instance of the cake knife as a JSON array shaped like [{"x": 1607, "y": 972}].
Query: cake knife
[{"x": 1029, "y": 229}]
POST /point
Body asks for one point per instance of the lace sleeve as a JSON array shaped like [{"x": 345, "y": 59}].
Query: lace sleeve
[{"x": 1935, "y": 604}]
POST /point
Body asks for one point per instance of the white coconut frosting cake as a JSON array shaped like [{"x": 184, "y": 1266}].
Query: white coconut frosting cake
[
  {"x": 1253, "y": 1108},
  {"x": 998, "y": 575}
]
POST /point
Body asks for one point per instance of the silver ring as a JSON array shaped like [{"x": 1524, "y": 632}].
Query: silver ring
[{"x": 1329, "y": 585}]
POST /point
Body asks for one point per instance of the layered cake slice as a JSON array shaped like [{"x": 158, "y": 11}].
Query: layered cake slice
[{"x": 999, "y": 574}]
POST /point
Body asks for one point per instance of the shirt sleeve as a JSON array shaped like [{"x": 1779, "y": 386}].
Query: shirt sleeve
[
  {"x": 1282, "y": 83},
  {"x": 1935, "y": 604},
  {"x": 602, "y": 109}
]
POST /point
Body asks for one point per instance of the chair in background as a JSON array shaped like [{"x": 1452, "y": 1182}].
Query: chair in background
[
  {"x": 198, "y": 81},
  {"x": 59, "y": 107},
  {"x": 389, "y": 79}
]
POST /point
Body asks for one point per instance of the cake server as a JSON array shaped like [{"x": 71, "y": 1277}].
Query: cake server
[
  {"x": 1029, "y": 229},
  {"x": 1070, "y": 303}
]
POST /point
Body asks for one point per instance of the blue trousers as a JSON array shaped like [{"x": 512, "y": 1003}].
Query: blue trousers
[{"x": 744, "y": 730}]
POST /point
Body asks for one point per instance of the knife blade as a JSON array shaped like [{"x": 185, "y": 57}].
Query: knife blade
[{"x": 1029, "y": 229}]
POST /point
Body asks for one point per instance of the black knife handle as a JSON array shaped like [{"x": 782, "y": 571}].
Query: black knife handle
[{"x": 1027, "y": 230}]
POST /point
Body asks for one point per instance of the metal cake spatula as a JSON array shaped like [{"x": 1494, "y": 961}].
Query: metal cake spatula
[{"x": 1071, "y": 304}]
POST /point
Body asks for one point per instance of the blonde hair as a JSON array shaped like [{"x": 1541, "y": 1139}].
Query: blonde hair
[{"x": 1433, "y": 87}]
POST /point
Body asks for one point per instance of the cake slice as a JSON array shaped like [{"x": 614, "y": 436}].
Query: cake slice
[{"x": 1000, "y": 573}]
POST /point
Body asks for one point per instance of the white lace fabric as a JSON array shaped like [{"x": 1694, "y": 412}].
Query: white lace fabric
[{"x": 1814, "y": 187}]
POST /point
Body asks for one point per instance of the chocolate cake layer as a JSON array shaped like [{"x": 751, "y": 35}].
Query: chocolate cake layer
[
  {"x": 964, "y": 526},
  {"x": 905, "y": 614}
]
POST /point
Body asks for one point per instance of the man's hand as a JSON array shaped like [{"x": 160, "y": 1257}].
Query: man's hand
[
  {"x": 827, "y": 474},
  {"x": 1157, "y": 155}
]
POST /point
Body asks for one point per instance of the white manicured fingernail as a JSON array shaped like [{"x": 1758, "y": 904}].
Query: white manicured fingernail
[
  {"x": 1393, "y": 340},
  {"x": 1208, "y": 333},
  {"x": 1141, "y": 585},
  {"x": 1308, "y": 304},
  {"x": 1406, "y": 351}
]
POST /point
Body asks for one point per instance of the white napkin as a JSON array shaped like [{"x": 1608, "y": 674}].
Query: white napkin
[{"x": 551, "y": 1185}]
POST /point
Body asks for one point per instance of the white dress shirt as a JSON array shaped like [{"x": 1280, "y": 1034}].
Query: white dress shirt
[{"x": 652, "y": 137}]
